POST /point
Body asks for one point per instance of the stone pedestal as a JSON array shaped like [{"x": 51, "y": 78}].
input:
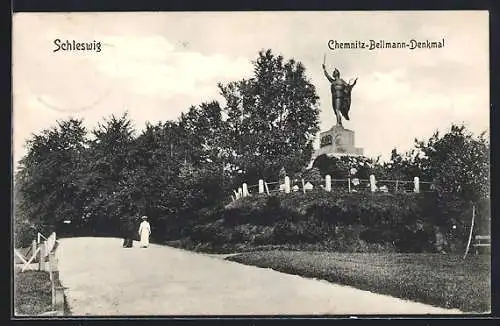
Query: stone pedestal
[{"x": 338, "y": 141}]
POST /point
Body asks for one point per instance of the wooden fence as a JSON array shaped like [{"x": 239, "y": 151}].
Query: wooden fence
[
  {"x": 42, "y": 255},
  {"x": 350, "y": 184}
]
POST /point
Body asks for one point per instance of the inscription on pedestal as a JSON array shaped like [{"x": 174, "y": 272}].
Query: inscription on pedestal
[{"x": 338, "y": 141}]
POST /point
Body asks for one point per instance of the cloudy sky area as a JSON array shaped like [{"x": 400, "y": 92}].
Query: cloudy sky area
[{"x": 156, "y": 65}]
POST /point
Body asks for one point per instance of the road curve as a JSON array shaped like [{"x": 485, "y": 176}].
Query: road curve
[{"x": 103, "y": 279}]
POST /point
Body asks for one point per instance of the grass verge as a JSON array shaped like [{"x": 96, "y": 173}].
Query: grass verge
[
  {"x": 33, "y": 293},
  {"x": 231, "y": 248},
  {"x": 446, "y": 281}
]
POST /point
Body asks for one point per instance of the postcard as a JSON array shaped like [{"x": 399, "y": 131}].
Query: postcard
[{"x": 264, "y": 163}]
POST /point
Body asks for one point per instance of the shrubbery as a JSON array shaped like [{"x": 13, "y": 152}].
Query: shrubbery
[
  {"x": 24, "y": 234},
  {"x": 352, "y": 222}
]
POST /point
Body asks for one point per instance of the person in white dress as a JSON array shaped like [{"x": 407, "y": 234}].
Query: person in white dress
[{"x": 144, "y": 232}]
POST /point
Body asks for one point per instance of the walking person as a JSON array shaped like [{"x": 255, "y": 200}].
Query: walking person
[
  {"x": 144, "y": 232},
  {"x": 128, "y": 232}
]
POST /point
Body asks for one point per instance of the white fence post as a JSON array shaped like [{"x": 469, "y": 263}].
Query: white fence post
[
  {"x": 373, "y": 182},
  {"x": 41, "y": 261},
  {"x": 39, "y": 255},
  {"x": 52, "y": 265},
  {"x": 287, "y": 185},
  {"x": 416, "y": 183},
  {"x": 51, "y": 242},
  {"x": 245, "y": 189},
  {"x": 328, "y": 183},
  {"x": 261, "y": 186},
  {"x": 240, "y": 192},
  {"x": 33, "y": 247}
]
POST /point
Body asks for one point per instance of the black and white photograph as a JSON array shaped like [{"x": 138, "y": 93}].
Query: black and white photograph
[{"x": 259, "y": 163}]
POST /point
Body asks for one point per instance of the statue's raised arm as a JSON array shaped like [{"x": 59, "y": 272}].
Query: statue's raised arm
[{"x": 330, "y": 78}]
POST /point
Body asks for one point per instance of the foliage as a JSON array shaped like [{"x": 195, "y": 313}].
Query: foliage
[
  {"x": 342, "y": 167},
  {"x": 272, "y": 118},
  {"x": 403, "y": 167},
  {"x": 338, "y": 221},
  {"x": 47, "y": 181},
  {"x": 101, "y": 174},
  {"x": 313, "y": 176},
  {"x": 206, "y": 133},
  {"x": 24, "y": 230},
  {"x": 457, "y": 162}
]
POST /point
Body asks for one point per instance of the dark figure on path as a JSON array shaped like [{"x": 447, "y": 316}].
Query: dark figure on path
[{"x": 128, "y": 232}]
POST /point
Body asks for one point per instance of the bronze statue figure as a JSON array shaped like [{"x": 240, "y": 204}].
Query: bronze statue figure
[{"x": 341, "y": 94}]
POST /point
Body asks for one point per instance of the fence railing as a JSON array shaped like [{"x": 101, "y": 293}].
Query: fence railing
[
  {"x": 39, "y": 250},
  {"x": 349, "y": 184},
  {"x": 43, "y": 251}
]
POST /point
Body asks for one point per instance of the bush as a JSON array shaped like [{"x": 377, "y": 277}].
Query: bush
[
  {"x": 339, "y": 221},
  {"x": 24, "y": 234}
]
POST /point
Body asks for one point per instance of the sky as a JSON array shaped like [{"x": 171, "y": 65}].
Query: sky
[{"x": 156, "y": 65}]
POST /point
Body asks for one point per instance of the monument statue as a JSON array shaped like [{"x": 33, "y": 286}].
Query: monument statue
[
  {"x": 341, "y": 94},
  {"x": 338, "y": 141}
]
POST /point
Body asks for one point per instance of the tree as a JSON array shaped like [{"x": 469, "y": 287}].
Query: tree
[
  {"x": 161, "y": 152},
  {"x": 102, "y": 174},
  {"x": 208, "y": 135},
  {"x": 404, "y": 166},
  {"x": 206, "y": 130},
  {"x": 24, "y": 229},
  {"x": 457, "y": 162},
  {"x": 46, "y": 183},
  {"x": 271, "y": 118}
]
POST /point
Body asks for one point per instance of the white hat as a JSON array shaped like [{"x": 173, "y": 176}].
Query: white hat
[{"x": 144, "y": 217}]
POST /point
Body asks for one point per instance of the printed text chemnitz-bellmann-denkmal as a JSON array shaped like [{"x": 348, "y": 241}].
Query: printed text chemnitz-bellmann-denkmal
[{"x": 384, "y": 44}]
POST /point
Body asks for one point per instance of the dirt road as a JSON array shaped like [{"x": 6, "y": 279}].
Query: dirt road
[{"x": 102, "y": 278}]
